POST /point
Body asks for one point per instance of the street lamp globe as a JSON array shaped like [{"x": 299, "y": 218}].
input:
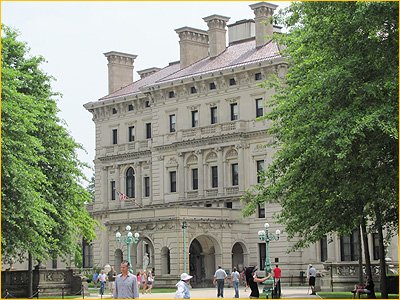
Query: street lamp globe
[
  {"x": 261, "y": 234},
  {"x": 128, "y": 228},
  {"x": 118, "y": 235},
  {"x": 266, "y": 225},
  {"x": 136, "y": 235},
  {"x": 130, "y": 234},
  {"x": 278, "y": 232}
]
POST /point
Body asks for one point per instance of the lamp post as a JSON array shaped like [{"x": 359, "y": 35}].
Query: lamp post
[
  {"x": 129, "y": 239},
  {"x": 184, "y": 226},
  {"x": 266, "y": 236}
]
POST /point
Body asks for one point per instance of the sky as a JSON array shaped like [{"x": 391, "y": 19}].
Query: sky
[{"x": 72, "y": 37}]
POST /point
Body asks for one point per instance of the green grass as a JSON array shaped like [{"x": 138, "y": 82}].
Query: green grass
[{"x": 349, "y": 295}]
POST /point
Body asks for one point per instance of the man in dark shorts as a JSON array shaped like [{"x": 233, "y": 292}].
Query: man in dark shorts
[{"x": 312, "y": 273}]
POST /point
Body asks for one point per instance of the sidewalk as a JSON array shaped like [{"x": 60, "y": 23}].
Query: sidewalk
[{"x": 202, "y": 293}]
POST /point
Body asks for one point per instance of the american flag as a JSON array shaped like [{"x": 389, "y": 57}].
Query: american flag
[{"x": 122, "y": 196}]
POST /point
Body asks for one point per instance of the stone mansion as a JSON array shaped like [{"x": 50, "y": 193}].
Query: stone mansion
[{"x": 183, "y": 143}]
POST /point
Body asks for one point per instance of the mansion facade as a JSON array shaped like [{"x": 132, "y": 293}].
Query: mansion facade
[{"x": 176, "y": 150}]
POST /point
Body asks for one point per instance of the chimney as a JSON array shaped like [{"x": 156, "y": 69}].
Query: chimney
[
  {"x": 147, "y": 72},
  {"x": 217, "y": 33},
  {"x": 263, "y": 12},
  {"x": 241, "y": 31},
  {"x": 193, "y": 45},
  {"x": 120, "y": 70}
]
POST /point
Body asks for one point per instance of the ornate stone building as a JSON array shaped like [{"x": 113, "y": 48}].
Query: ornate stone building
[{"x": 183, "y": 143}]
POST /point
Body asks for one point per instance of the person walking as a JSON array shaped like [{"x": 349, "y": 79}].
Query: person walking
[
  {"x": 102, "y": 279},
  {"x": 235, "y": 282},
  {"x": 111, "y": 279},
  {"x": 312, "y": 274},
  {"x": 219, "y": 280},
  {"x": 95, "y": 278},
  {"x": 125, "y": 283},
  {"x": 253, "y": 281},
  {"x": 277, "y": 280},
  {"x": 143, "y": 281},
  {"x": 182, "y": 287},
  {"x": 150, "y": 281}
]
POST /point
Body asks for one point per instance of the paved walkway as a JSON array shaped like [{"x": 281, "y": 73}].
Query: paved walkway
[{"x": 202, "y": 293}]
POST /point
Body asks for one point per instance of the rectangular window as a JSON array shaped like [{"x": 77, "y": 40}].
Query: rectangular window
[
  {"x": 375, "y": 245},
  {"x": 195, "y": 118},
  {"x": 87, "y": 261},
  {"x": 195, "y": 179},
  {"x": 228, "y": 204},
  {"x": 214, "y": 176},
  {"x": 114, "y": 111},
  {"x": 260, "y": 168},
  {"x": 208, "y": 205},
  {"x": 234, "y": 112},
  {"x": 261, "y": 255},
  {"x": 147, "y": 103},
  {"x": 115, "y": 136},
  {"x": 261, "y": 210},
  {"x": 257, "y": 76},
  {"x": 349, "y": 246},
  {"x": 212, "y": 86},
  {"x": 172, "y": 181},
  {"x": 147, "y": 186},
  {"x": 131, "y": 133},
  {"x": 130, "y": 107},
  {"x": 148, "y": 130},
  {"x": 193, "y": 90},
  {"x": 235, "y": 174},
  {"x": 324, "y": 249},
  {"x": 232, "y": 81},
  {"x": 171, "y": 94},
  {"x": 172, "y": 123},
  {"x": 113, "y": 190},
  {"x": 214, "y": 118},
  {"x": 259, "y": 108}
]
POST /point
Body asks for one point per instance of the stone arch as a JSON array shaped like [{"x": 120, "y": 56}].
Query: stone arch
[
  {"x": 204, "y": 255},
  {"x": 165, "y": 261},
  {"x": 145, "y": 245},
  {"x": 231, "y": 154},
  {"x": 118, "y": 258},
  {"x": 192, "y": 159},
  {"x": 239, "y": 256},
  {"x": 212, "y": 156}
]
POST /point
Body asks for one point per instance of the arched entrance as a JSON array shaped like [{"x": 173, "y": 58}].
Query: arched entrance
[
  {"x": 237, "y": 257},
  {"x": 202, "y": 260},
  {"x": 118, "y": 259}
]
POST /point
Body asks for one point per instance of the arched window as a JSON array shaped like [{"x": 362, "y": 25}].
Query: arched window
[{"x": 130, "y": 183}]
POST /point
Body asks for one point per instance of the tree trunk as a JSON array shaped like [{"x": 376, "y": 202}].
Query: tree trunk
[
  {"x": 382, "y": 262},
  {"x": 360, "y": 259},
  {"x": 368, "y": 269},
  {"x": 30, "y": 275}
]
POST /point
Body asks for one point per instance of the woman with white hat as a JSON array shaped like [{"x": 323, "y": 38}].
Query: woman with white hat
[{"x": 182, "y": 287}]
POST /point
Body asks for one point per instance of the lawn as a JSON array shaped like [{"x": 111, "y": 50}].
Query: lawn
[{"x": 349, "y": 295}]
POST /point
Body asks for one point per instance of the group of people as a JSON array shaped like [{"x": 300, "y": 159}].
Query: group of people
[
  {"x": 145, "y": 281},
  {"x": 103, "y": 278}
]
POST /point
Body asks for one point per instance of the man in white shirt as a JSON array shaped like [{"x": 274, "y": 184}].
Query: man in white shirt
[
  {"x": 312, "y": 274},
  {"x": 219, "y": 279}
]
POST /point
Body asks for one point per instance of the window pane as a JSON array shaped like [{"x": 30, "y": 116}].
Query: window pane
[
  {"x": 324, "y": 249},
  {"x": 147, "y": 186},
  {"x": 262, "y": 255},
  {"x": 214, "y": 176},
  {"x": 172, "y": 123},
  {"x": 234, "y": 112},
  {"x": 235, "y": 174},
  {"x": 195, "y": 179},
  {"x": 148, "y": 130},
  {"x": 131, "y": 133},
  {"x": 261, "y": 210},
  {"x": 115, "y": 136},
  {"x": 172, "y": 177},
  {"x": 130, "y": 183},
  {"x": 112, "y": 190},
  {"x": 214, "y": 119},
  {"x": 195, "y": 118},
  {"x": 259, "y": 108},
  {"x": 260, "y": 168}
]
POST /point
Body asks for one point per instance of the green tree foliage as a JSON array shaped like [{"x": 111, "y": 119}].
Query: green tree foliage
[
  {"x": 43, "y": 202},
  {"x": 335, "y": 120}
]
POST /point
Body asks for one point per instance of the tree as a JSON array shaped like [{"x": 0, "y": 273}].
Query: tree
[
  {"x": 335, "y": 121},
  {"x": 43, "y": 201}
]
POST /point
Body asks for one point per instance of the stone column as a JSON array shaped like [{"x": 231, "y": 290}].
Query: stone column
[
  {"x": 220, "y": 171},
  {"x": 181, "y": 175},
  {"x": 242, "y": 173},
  {"x": 200, "y": 172},
  {"x": 138, "y": 183}
]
